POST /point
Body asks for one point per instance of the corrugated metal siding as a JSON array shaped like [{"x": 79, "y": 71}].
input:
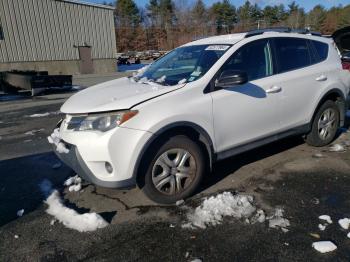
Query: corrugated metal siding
[{"x": 49, "y": 30}]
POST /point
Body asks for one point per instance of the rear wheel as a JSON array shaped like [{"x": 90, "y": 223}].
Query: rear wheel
[
  {"x": 324, "y": 125},
  {"x": 175, "y": 170}
]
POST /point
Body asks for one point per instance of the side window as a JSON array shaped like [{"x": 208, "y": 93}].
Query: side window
[
  {"x": 253, "y": 58},
  {"x": 292, "y": 53},
  {"x": 321, "y": 51}
]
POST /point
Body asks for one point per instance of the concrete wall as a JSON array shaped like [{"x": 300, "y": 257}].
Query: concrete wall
[{"x": 72, "y": 67}]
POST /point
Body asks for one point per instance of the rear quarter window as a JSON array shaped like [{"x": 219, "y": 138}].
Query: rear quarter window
[{"x": 321, "y": 50}]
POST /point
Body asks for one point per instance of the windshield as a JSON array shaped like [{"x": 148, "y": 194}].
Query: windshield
[{"x": 182, "y": 65}]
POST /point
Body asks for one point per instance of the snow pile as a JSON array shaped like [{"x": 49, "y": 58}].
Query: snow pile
[
  {"x": 215, "y": 208},
  {"x": 326, "y": 218},
  {"x": 70, "y": 218},
  {"x": 324, "y": 246},
  {"x": 278, "y": 221},
  {"x": 55, "y": 139},
  {"x": 344, "y": 223},
  {"x": 337, "y": 148},
  {"x": 73, "y": 183}
]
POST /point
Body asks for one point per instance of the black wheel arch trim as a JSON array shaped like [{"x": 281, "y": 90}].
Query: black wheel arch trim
[{"x": 203, "y": 137}]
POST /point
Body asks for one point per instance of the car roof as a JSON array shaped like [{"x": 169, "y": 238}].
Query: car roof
[{"x": 234, "y": 38}]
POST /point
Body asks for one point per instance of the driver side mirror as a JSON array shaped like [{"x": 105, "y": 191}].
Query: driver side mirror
[{"x": 230, "y": 78}]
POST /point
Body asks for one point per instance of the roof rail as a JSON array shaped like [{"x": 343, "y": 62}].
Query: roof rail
[
  {"x": 281, "y": 30},
  {"x": 270, "y": 29}
]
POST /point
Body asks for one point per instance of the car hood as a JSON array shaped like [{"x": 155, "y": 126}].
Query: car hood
[
  {"x": 342, "y": 39},
  {"x": 118, "y": 94}
]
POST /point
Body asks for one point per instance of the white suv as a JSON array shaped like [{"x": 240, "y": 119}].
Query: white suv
[{"x": 163, "y": 128}]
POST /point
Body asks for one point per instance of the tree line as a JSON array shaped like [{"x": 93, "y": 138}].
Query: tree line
[{"x": 165, "y": 24}]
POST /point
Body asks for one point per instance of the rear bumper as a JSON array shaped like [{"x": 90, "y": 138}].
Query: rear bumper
[{"x": 74, "y": 160}]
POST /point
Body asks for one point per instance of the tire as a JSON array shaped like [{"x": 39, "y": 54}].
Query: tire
[
  {"x": 174, "y": 171},
  {"x": 325, "y": 125}
]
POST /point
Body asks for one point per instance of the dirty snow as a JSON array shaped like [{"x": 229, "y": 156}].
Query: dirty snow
[
  {"x": 278, "y": 221},
  {"x": 258, "y": 217},
  {"x": 20, "y": 212},
  {"x": 70, "y": 218},
  {"x": 324, "y": 246},
  {"x": 337, "y": 148},
  {"x": 73, "y": 183},
  {"x": 326, "y": 218},
  {"x": 215, "y": 208},
  {"x": 55, "y": 139},
  {"x": 344, "y": 223}
]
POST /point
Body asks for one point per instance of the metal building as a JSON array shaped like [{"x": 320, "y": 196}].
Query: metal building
[{"x": 59, "y": 36}]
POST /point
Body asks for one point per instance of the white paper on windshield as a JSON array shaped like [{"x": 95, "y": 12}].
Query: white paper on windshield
[{"x": 217, "y": 48}]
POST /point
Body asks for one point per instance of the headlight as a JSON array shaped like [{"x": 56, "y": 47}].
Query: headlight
[{"x": 100, "y": 122}]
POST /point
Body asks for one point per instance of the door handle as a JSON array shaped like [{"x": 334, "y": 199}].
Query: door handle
[
  {"x": 274, "y": 89},
  {"x": 321, "y": 78}
]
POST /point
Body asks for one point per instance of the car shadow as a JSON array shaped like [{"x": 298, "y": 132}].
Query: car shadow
[
  {"x": 21, "y": 181},
  {"x": 228, "y": 166},
  {"x": 248, "y": 89}
]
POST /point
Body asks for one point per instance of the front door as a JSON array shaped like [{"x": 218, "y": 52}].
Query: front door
[
  {"x": 247, "y": 112},
  {"x": 86, "y": 64}
]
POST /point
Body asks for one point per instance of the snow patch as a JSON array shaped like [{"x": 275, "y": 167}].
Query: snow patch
[
  {"x": 70, "y": 218},
  {"x": 348, "y": 235},
  {"x": 44, "y": 114},
  {"x": 180, "y": 202},
  {"x": 182, "y": 81},
  {"x": 73, "y": 183},
  {"x": 161, "y": 79},
  {"x": 344, "y": 223},
  {"x": 278, "y": 221},
  {"x": 321, "y": 227},
  {"x": 140, "y": 72},
  {"x": 20, "y": 212},
  {"x": 55, "y": 139},
  {"x": 215, "y": 208},
  {"x": 326, "y": 218},
  {"x": 324, "y": 246},
  {"x": 33, "y": 132},
  {"x": 337, "y": 148}
]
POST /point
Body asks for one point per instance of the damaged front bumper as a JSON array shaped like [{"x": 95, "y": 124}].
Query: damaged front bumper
[{"x": 74, "y": 160}]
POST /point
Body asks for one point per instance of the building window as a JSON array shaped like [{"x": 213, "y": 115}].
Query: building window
[{"x": 1, "y": 33}]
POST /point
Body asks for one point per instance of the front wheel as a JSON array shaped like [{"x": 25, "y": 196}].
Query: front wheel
[
  {"x": 325, "y": 125},
  {"x": 175, "y": 171}
]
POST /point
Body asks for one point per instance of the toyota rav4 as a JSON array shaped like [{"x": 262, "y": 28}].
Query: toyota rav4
[{"x": 210, "y": 99}]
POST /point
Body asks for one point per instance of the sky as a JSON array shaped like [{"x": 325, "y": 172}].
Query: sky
[{"x": 307, "y": 4}]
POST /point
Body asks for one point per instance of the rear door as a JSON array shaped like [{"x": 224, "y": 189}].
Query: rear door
[
  {"x": 300, "y": 77},
  {"x": 247, "y": 112}
]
